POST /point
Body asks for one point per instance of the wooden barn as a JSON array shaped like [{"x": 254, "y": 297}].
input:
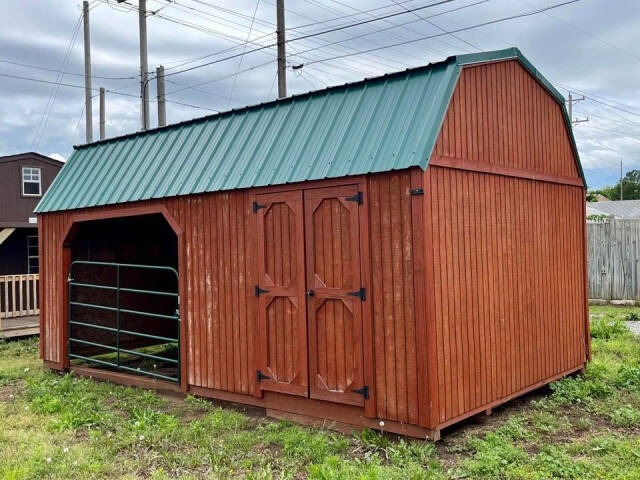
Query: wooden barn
[{"x": 399, "y": 253}]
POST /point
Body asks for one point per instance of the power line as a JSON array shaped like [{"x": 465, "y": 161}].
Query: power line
[
  {"x": 42, "y": 124},
  {"x": 310, "y": 35},
  {"x": 115, "y": 92},
  {"x": 491, "y": 22},
  {"x": 388, "y": 28},
  {"x": 235, "y": 77},
  {"x": 36, "y": 67}
]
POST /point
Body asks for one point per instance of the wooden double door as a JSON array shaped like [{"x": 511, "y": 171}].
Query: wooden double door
[{"x": 310, "y": 294}]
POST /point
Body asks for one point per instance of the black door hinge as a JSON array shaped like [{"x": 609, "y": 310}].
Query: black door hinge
[
  {"x": 364, "y": 391},
  {"x": 417, "y": 191},
  {"x": 356, "y": 198},
  {"x": 259, "y": 291},
  {"x": 261, "y": 376},
  {"x": 362, "y": 294},
  {"x": 257, "y": 207}
]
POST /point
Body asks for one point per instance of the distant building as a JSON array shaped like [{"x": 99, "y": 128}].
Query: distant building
[
  {"x": 623, "y": 209},
  {"x": 23, "y": 180}
]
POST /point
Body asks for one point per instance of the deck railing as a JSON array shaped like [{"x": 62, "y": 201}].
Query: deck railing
[{"x": 19, "y": 295}]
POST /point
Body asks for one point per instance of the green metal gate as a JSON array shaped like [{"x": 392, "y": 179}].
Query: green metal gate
[{"x": 122, "y": 329}]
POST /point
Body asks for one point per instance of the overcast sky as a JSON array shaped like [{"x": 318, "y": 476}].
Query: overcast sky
[{"x": 589, "y": 46}]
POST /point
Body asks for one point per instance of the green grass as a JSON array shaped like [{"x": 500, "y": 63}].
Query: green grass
[{"x": 59, "y": 426}]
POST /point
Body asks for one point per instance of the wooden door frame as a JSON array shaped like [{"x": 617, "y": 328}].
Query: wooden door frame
[
  {"x": 362, "y": 181},
  {"x": 66, "y": 239}
]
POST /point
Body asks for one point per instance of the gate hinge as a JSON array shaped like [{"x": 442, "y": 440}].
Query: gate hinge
[
  {"x": 364, "y": 391},
  {"x": 417, "y": 191},
  {"x": 261, "y": 376},
  {"x": 362, "y": 294},
  {"x": 260, "y": 290},
  {"x": 257, "y": 206},
  {"x": 356, "y": 198}
]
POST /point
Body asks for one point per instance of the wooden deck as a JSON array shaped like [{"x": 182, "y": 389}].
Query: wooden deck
[{"x": 19, "y": 327}]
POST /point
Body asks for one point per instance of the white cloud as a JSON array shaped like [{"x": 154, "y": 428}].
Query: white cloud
[
  {"x": 57, "y": 156},
  {"x": 585, "y": 45}
]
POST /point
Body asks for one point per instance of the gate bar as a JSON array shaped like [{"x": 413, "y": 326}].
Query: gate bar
[{"x": 117, "y": 309}]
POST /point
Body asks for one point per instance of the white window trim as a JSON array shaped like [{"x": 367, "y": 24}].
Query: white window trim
[{"x": 31, "y": 181}]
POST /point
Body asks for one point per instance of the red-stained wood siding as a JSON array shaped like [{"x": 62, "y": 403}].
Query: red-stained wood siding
[
  {"x": 500, "y": 115},
  {"x": 218, "y": 300},
  {"x": 51, "y": 229},
  {"x": 504, "y": 228},
  {"x": 392, "y": 294},
  {"x": 217, "y": 306},
  {"x": 508, "y": 290}
]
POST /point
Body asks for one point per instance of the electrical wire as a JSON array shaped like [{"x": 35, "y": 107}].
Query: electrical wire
[
  {"x": 428, "y": 37},
  {"x": 74, "y": 74},
  {"x": 302, "y": 37}
]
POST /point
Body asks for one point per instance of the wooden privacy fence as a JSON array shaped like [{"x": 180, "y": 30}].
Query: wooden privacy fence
[
  {"x": 614, "y": 259},
  {"x": 19, "y": 295}
]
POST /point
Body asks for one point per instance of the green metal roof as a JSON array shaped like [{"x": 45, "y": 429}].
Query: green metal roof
[{"x": 375, "y": 125}]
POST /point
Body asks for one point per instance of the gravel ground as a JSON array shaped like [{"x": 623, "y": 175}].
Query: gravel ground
[{"x": 634, "y": 327}]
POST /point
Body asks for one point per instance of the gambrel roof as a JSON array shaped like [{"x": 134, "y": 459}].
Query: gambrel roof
[{"x": 374, "y": 125}]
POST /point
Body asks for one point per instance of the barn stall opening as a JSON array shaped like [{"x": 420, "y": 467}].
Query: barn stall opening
[{"x": 408, "y": 249}]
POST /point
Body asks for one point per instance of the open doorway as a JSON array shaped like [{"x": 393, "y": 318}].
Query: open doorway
[{"x": 124, "y": 296}]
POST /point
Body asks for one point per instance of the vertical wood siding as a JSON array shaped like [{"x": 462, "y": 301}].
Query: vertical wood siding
[
  {"x": 614, "y": 259},
  {"x": 217, "y": 304},
  {"x": 508, "y": 284},
  {"x": 505, "y": 290},
  {"x": 500, "y": 115},
  {"x": 392, "y": 293},
  {"x": 51, "y": 290}
]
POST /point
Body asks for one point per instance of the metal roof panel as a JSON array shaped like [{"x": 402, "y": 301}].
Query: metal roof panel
[{"x": 375, "y": 125}]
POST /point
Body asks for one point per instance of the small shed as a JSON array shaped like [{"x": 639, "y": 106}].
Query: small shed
[{"x": 406, "y": 251}]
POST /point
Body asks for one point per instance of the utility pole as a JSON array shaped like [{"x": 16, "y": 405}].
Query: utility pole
[
  {"x": 144, "y": 65},
  {"x": 282, "y": 56},
  {"x": 621, "y": 180},
  {"x": 87, "y": 74},
  {"x": 162, "y": 107},
  {"x": 570, "y": 103},
  {"x": 102, "y": 114}
]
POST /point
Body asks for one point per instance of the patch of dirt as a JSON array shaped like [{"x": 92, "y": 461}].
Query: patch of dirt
[{"x": 9, "y": 393}]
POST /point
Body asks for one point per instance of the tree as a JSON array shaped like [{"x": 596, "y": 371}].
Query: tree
[{"x": 630, "y": 187}]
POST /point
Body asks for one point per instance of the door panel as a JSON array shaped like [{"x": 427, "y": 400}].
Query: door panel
[
  {"x": 281, "y": 295},
  {"x": 333, "y": 277}
]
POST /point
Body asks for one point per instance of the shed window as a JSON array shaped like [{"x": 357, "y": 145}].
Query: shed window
[{"x": 31, "y": 181}]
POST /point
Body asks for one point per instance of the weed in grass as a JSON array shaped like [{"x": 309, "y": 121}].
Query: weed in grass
[
  {"x": 546, "y": 423},
  {"x": 554, "y": 462},
  {"x": 625, "y": 416},
  {"x": 583, "y": 424},
  {"x": 491, "y": 457},
  {"x": 632, "y": 317},
  {"x": 628, "y": 376},
  {"x": 607, "y": 327},
  {"x": 578, "y": 390}
]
